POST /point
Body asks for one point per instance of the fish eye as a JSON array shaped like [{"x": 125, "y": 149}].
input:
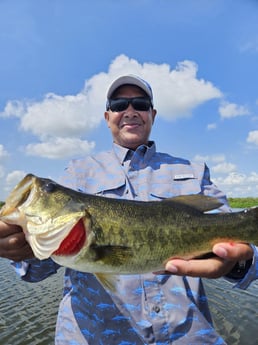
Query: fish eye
[{"x": 50, "y": 187}]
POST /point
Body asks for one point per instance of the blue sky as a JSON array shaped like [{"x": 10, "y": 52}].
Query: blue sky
[{"x": 57, "y": 58}]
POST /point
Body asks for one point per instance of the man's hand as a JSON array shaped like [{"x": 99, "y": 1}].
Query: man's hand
[
  {"x": 13, "y": 244},
  {"x": 227, "y": 255}
]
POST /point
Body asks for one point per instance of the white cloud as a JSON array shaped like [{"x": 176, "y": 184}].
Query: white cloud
[
  {"x": 228, "y": 110},
  {"x": 216, "y": 158},
  {"x": 13, "y": 109},
  {"x": 176, "y": 93},
  {"x": 211, "y": 126},
  {"x": 60, "y": 148},
  {"x": 12, "y": 179},
  {"x": 253, "y": 137},
  {"x": 238, "y": 185},
  {"x": 224, "y": 174},
  {"x": 58, "y": 116},
  {"x": 224, "y": 168}
]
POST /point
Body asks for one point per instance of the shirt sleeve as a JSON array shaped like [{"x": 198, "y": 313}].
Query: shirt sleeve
[
  {"x": 35, "y": 270},
  {"x": 252, "y": 273}
]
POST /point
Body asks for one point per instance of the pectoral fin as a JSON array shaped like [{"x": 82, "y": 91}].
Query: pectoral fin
[{"x": 113, "y": 255}]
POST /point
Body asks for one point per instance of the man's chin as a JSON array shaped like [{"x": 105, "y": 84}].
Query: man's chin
[{"x": 132, "y": 142}]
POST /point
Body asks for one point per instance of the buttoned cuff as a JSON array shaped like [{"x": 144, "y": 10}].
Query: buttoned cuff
[{"x": 252, "y": 273}]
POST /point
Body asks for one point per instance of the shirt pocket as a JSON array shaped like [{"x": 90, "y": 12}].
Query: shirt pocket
[
  {"x": 175, "y": 187},
  {"x": 114, "y": 188}
]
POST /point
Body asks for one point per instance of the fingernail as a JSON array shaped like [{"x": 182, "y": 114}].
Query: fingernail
[
  {"x": 171, "y": 268},
  {"x": 220, "y": 251}
]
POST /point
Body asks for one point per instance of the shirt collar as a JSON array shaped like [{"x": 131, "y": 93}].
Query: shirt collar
[{"x": 123, "y": 153}]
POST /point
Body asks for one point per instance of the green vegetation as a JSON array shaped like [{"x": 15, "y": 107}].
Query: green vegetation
[
  {"x": 1, "y": 203},
  {"x": 243, "y": 202}
]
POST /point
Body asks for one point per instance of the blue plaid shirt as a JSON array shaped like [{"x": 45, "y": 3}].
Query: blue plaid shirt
[{"x": 145, "y": 309}]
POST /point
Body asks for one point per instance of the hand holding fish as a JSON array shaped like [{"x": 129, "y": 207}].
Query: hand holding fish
[
  {"x": 13, "y": 245},
  {"x": 227, "y": 255}
]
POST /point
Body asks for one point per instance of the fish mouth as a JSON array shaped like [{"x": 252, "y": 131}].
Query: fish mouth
[
  {"x": 20, "y": 194},
  {"x": 73, "y": 242}
]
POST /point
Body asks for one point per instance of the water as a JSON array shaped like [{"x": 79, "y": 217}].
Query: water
[
  {"x": 234, "y": 311},
  {"x": 28, "y": 311}
]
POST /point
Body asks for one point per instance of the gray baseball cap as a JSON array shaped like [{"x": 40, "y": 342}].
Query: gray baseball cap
[{"x": 130, "y": 79}]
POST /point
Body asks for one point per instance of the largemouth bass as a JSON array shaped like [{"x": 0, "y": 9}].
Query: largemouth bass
[{"x": 112, "y": 236}]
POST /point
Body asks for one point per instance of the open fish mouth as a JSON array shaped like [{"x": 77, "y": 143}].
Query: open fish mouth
[
  {"x": 58, "y": 233},
  {"x": 21, "y": 194}
]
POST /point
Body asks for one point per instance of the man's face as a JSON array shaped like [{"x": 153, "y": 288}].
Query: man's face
[{"x": 130, "y": 127}]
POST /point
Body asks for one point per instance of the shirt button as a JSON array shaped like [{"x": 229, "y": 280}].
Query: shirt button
[{"x": 156, "y": 309}]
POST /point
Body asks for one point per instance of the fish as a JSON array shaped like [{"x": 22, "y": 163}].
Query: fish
[{"x": 109, "y": 236}]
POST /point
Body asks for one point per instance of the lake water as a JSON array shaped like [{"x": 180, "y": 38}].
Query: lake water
[{"x": 28, "y": 311}]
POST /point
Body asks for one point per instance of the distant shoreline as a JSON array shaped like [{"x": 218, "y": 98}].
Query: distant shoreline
[{"x": 243, "y": 202}]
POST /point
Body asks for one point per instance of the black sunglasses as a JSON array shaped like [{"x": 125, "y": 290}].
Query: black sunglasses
[{"x": 120, "y": 104}]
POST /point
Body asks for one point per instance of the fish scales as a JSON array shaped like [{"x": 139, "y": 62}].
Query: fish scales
[
  {"x": 180, "y": 232},
  {"x": 120, "y": 236}
]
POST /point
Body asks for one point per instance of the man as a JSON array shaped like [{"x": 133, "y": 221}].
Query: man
[{"x": 148, "y": 308}]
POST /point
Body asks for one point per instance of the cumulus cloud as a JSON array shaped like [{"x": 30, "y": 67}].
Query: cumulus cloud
[
  {"x": 60, "y": 148},
  {"x": 228, "y": 110},
  {"x": 226, "y": 176},
  {"x": 12, "y": 179},
  {"x": 239, "y": 185},
  {"x": 216, "y": 158},
  {"x": 58, "y": 116},
  {"x": 13, "y": 109},
  {"x": 177, "y": 91},
  {"x": 217, "y": 163},
  {"x": 60, "y": 119},
  {"x": 224, "y": 168},
  {"x": 253, "y": 137}
]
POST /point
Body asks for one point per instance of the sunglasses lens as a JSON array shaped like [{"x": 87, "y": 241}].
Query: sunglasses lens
[
  {"x": 142, "y": 104},
  {"x": 121, "y": 104},
  {"x": 118, "y": 104}
]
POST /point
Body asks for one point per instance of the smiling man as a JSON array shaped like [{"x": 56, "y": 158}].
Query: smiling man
[
  {"x": 130, "y": 114},
  {"x": 148, "y": 308}
]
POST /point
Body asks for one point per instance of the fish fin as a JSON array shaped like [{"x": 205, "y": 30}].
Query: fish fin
[
  {"x": 198, "y": 202},
  {"x": 108, "y": 281},
  {"x": 113, "y": 255}
]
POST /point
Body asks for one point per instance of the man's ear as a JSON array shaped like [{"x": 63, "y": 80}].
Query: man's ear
[
  {"x": 106, "y": 116},
  {"x": 154, "y": 113}
]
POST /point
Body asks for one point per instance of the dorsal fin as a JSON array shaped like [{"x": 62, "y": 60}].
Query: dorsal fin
[{"x": 198, "y": 202}]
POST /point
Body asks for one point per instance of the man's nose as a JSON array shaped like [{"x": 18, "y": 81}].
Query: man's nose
[{"x": 130, "y": 111}]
